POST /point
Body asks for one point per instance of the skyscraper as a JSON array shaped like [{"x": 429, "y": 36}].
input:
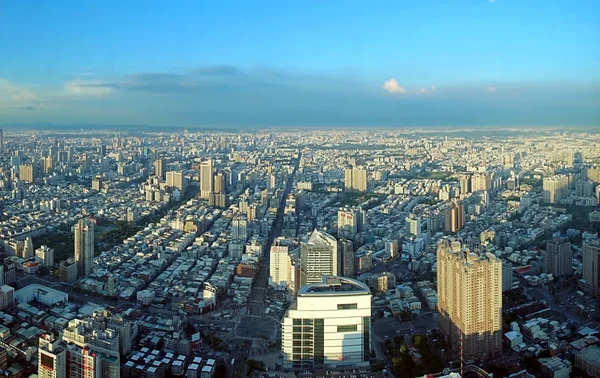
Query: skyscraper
[
  {"x": 555, "y": 188},
  {"x": 455, "y": 217},
  {"x": 239, "y": 229},
  {"x": 591, "y": 266},
  {"x": 176, "y": 180},
  {"x": 280, "y": 267},
  {"x": 329, "y": 326},
  {"x": 52, "y": 357},
  {"x": 350, "y": 221},
  {"x": 355, "y": 179},
  {"x": 481, "y": 182},
  {"x": 84, "y": 246},
  {"x": 318, "y": 257},
  {"x": 413, "y": 225},
  {"x": 470, "y": 300},
  {"x": 206, "y": 179},
  {"x": 26, "y": 173},
  {"x": 160, "y": 168},
  {"x": 346, "y": 258},
  {"x": 558, "y": 257}
]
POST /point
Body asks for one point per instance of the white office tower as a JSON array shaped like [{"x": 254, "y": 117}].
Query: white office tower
[
  {"x": 206, "y": 179},
  {"x": 84, "y": 246},
  {"x": 280, "y": 267},
  {"x": 52, "y": 357},
  {"x": 328, "y": 327},
  {"x": 318, "y": 256},
  {"x": 44, "y": 255},
  {"x": 470, "y": 300}
]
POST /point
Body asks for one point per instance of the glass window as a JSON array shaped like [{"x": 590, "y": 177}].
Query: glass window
[
  {"x": 347, "y": 306},
  {"x": 347, "y": 328}
]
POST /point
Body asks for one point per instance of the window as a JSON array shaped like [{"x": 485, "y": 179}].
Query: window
[
  {"x": 347, "y": 328},
  {"x": 347, "y": 306},
  {"x": 297, "y": 343},
  {"x": 297, "y": 321}
]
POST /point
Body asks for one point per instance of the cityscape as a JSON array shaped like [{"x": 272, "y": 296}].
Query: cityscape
[
  {"x": 297, "y": 189},
  {"x": 282, "y": 254}
]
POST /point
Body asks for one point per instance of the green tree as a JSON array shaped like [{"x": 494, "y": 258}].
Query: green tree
[
  {"x": 403, "y": 349},
  {"x": 417, "y": 340}
]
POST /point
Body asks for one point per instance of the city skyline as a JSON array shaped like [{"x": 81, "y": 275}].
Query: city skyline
[{"x": 469, "y": 63}]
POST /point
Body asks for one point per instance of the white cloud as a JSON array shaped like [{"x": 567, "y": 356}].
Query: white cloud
[
  {"x": 13, "y": 95},
  {"x": 94, "y": 88},
  {"x": 491, "y": 89},
  {"x": 392, "y": 86},
  {"x": 425, "y": 91},
  {"x": 492, "y": 1}
]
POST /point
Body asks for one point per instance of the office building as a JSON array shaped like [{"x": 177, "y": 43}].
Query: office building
[
  {"x": 454, "y": 217},
  {"x": 328, "y": 326},
  {"x": 413, "y": 225},
  {"x": 355, "y": 179},
  {"x": 176, "y": 180},
  {"x": 280, "y": 268},
  {"x": 350, "y": 221},
  {"x": 84, "y": 246},
  {"x": 558, "y": 258},
  {"x": 68, "y": 270},
  {"x": 555, "y": 188},
  {"x": 318, "y": 257},
  {"x": 44, "y": 255},
  {"x": 7, "y": 296},
  {"x": 591, "y": 266},
  {"x": 160, "y": 168},
  {"x": 97, "y": 183},
  {"x": 470, "y": 300},
  {"x": 346, "y": 258},
  {"x": 206, "y": 179},
  {"x": 52, "y": 357},
  {"x": 26, "y": 173}
]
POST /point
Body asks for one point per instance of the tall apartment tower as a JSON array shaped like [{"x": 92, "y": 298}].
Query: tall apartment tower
[
  {"x": 84, "y": 246},
  {"x": 413, "y": 225},
  {"x": 239, "y": 229},
  {"x": 160, "y": 168},
  {"x": 52, "y": 357},
  {"x": 280, "y": 267},
  {"x": 329, "y": 326},
  {"x": 481, "y": 182},
  {"x": 455, "y": 217},
  {"x": 555, "y": 188},
  {"x": 465, "y": 184},
  {"x": 558, "y": 258},
  {"x": 346, "y": 258},
  {"x": 350, "y": 221},
  {"x": 97, "y": 183},
  {"x": 206, "y": 179},
  {"x": 318, "y": 257},
  {"x": 591, "y": 266},
  {"x": 176, "y": 180},
  {"x": 470, "y": 300},
  {"x": 355, "y": 179},
  {"x": 26, "y": 173}
]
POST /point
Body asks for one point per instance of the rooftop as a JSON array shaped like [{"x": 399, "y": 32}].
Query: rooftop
[{"x": 333, "y": 285}]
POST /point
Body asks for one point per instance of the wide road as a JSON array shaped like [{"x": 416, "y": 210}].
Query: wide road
[{"x": 258, "y": 292}]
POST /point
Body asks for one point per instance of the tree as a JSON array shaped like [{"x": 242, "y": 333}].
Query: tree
[
  {"x": 417, "y": 340},
  {"x": 403, "y": 349}
]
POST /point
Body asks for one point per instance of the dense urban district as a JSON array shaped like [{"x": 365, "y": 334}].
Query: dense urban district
[{"x": 299, "y": 253}]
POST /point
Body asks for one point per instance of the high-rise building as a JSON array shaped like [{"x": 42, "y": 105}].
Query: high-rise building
[
  {"x": 84, "y": 246},
  {"x": 507, "y": 276},
  {"x": 481, "y": 182},
  {"x": 239, "y": 228},
  {"x": 555, "y": 188},
  {"x": 455, "y": 217},
  {"x": 318, "y": 257},
  {"x": 52, "y": 357},
  {"x": 350, "y": 221},
  {"x": 591, "y": 266},
  {"x": 329, "y": 326},
  {"x": 558, "y": 257},
  {"x": 355, "y": 179},
  {"x": 44, "y": 255},
  {"x": 470, "y": 300},
  {"x": 7, "y": 296},
  {"x": 176, "y": 180},
  {"x": 26, "y": 173},
  {"x": 1, "y": 140},
  {"x": 280, "y": 267},
  {"x": 346, "y": 258},
  {"x": 413, "y": 225},
  {"x": 206, "y": 179},
  {"x": 97, "y": 183},
  {"x": 160, "y": 168},
  {"x": 123, "y": 327},
  {"x": 220, "y": 183},
  {"x": 68, "y": 270},
  {"x": 48, "y": 165}
]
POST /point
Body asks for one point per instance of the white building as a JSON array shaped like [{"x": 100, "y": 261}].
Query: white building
[
  {"x": 44, "y": 255},
  {"x": 7, "y": 296},
  {"x": 329, "y": 326},
  {"x": 318, "y": 258},
  {"x": 280, "y": 267},
  {"x": 52, "y": 357},
  {"x": 43, "y": 294}
]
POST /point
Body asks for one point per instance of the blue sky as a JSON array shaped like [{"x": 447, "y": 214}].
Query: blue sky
[{"x": 301, "y": 63}]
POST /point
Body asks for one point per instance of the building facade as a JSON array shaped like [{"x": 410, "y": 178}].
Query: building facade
[
  {"x": 318, "y": 257},
  {"x": 84, "y": 246},
  {"x": 329, "y": 326},
  {"x": 591, "y": 266},
  {"x": 558, "y": 258}
]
